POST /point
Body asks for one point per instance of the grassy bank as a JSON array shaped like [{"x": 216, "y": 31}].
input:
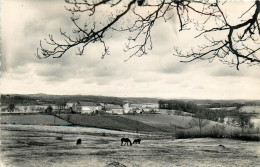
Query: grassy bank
[
  {"x": 35, "y": 119},
  {"x": 111, "y": 122},
  {"x": 217, "y": 132}
]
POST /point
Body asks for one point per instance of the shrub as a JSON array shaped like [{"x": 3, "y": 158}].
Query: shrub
[{"x": 247, "y": 136}]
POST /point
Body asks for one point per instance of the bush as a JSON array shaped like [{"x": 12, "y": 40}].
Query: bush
[{"x": 247, "y": 136}]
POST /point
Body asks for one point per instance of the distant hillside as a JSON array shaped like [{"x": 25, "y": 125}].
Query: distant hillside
[
  {"x": 240, "y": 101},
  {"x": 33, "y": 98}
]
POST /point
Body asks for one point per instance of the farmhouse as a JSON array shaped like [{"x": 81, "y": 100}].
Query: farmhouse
[
  {"x": 136, "y": 108},
  {"x": 88, "y": 107},
  {"x": 114, "y": 109},
  {"x": 69, "y": 105},
  {"x": 85, "y": 107}
]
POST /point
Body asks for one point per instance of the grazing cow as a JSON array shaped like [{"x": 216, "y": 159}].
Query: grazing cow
[
  {"x": 78, "y": 141},
  {"x": 126, "y": 140},
  {"x": 222, "y": 146},
  {"x": 59, "y": 138},
  {"x": 137, "y": 141}
]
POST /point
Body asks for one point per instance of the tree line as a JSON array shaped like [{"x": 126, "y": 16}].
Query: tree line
[{"x": 201, "y": 112}]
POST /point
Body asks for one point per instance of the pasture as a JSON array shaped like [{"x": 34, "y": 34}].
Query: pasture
[
  {"x": 255, "y": 110},
  {"x": 250, "y": 109},
  {"x": 166, "y": 122},
  {"x": 113, "y": 122},
  {"x": 35, "y": 119},
  {"x": 155, "y": 123},
  {"x": 32, "y": 146}
]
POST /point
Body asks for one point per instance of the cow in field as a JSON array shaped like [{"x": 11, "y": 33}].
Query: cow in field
[
  {"x": 126, "y": 141},
  {"x": 137, "y": 141},
  {"x": 78, "y": 141}
]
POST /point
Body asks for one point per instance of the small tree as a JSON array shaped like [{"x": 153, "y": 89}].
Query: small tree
[
  {"x": 243, "y": 120},
  {"x": 11, "y": 107},
  {"x": 200, "y": 120},
  {"x": 49, "y": 110}
]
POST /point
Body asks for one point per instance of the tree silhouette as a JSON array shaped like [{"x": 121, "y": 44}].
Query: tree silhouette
[
  {"x": 199, "y": 120},
  {"x": 49, "y": 109},
  {"x": 11, "y": 107},
  {"x": 232, "y": 42},
  {"x": 243, "y": 120}
]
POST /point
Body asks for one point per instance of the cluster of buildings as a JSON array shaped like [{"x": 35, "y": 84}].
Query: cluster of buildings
[
  {"x": 88, "y": 107},
  {"x": 85, "y": 107}
]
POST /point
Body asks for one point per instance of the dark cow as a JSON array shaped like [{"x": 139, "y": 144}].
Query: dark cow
[
  {"x": 78, "y": 141},
  {"x": 222, "y": 146},
  {"x": 126, "y": 140},
  {"x": 137, "y": 141}
]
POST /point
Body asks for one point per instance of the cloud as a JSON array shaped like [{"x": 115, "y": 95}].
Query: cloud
[
  {"x": 227, "y": 72},
  {"x": 176, "y": 68}
]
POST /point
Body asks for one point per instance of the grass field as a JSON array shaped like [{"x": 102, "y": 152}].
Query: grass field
[
  {"x": 36, "y": 119},
  {"x": 253, "y": 110},
  {"x": 112, "y": 122},
  {"x": 161, "y": 121},
  {"x": 165, "y": 122},
  {"x": 37, "y": 146},
  {"x": 250, "y": 109},
  {"x": 157, "y": 123}
]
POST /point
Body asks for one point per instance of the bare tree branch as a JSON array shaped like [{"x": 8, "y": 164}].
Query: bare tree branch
[{"x": 238, "y": 43}]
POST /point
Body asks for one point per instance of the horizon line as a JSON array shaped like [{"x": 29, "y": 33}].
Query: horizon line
[{"x": 171, "y": 98}]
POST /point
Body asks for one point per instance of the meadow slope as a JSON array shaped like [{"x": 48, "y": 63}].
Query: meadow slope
[{"x": 38, "y": 146}]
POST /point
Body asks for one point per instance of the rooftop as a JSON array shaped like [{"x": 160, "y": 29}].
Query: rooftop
[{"x": 87, "y": 103}]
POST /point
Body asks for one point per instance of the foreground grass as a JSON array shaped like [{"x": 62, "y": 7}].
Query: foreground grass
[{"x": 33, "y": 145}]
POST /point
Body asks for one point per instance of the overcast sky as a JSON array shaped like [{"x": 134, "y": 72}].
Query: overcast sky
[{"x": 157, "y": 74}]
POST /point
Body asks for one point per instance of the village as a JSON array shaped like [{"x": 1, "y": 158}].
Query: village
[
  {"x": 82, "y": 107},
  {"x": 223, "y": 112}
]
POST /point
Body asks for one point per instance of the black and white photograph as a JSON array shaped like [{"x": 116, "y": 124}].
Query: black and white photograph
[{"x": 130, "y": 83}]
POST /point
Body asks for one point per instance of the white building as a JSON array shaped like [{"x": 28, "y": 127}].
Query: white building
[
  {"x": 85, "y": 107},
  {"x": 114, "y": 109},
  {"x": 126, "y": 107}
]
